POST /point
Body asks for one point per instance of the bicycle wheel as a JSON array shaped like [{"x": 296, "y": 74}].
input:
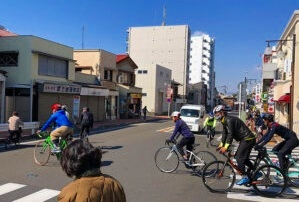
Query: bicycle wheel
[
  {"x": 200, "y": 159},
  {"x": 272, "y": 182},
  {"x": 42, "y": 152},
  {"x": 166, "y": 160},
  {"x": 218, "y": 176},
  {"x": 293, "y": 174}
]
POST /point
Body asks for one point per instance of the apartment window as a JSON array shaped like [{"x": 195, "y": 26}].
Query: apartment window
[
  {"x": 108, "y": 75},
  {"x": 9, "y": 59},
  {"x": 51, "y": 66},
  {"x": 144, "y": 71},
  {"x": 139, "y": 72}
]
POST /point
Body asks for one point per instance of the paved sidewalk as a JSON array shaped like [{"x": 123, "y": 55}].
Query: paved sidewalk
[{"x": 27, "y": 134}]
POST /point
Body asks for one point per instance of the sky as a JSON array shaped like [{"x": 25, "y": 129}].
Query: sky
[{"x": 240, "y": 27}]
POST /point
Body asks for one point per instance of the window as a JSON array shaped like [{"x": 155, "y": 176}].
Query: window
[
  {"x": 51, "y": 66},
  {"x": 9, "y": 59},
  {"x": 144, "y": 71},
  {"x": 108, "y": 75},
  {"x": 139, "y": 72}
]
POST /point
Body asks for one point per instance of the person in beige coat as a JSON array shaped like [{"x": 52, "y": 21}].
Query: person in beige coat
[
  {"x": 82, "y": 161},
  {"x": 14, "y": 127}
]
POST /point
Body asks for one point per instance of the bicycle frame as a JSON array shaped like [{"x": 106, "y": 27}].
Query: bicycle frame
[{"x": 190, "y": 154}]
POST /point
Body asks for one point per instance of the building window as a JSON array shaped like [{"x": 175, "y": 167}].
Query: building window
[
  {"x": 139, "y": 72},
  {"x": 108, "y": 75},
  {"x": 51, "y": 66},
  {"x": 144, "y": 71},
  {"x": 9, "y": 59}
]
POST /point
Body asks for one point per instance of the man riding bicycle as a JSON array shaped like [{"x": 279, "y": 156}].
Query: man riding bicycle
[
  {"x": 210, "y": 123},
  {"x": 285, "y": 147},
  {"x": 62, "y": 126},
  {"x": 188, "y": 137},
  {"x": 235, "y": 128}
]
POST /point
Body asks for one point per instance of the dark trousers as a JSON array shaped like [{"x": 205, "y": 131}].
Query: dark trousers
[
  {"x": 284, "y": 148},
  {"x": 242, "y": 155},
  {"x": 86, "y": 128},
  {"x": 185, "y": 141}
]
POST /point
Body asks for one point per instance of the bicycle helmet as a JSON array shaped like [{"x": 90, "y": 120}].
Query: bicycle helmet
[
  {"x": 268, "y": 117},
  {"x": 56, "y": 106},
  {"x": 218, "y": 108},
  {"x": 211, "y": 115},
  {"x": 175, "y": 113}
]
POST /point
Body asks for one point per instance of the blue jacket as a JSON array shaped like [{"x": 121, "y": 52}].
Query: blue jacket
[
  {"x": 59, "y": 118},
  {"x": 182, "y": 128}
]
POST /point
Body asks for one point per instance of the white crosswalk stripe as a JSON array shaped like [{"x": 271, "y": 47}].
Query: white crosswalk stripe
[
  {"x": 248, "y": 194},
  {"x": 40, "y": 196}
]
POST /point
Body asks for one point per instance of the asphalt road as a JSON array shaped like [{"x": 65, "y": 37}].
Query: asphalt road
[{"x": 129, "y": 158}]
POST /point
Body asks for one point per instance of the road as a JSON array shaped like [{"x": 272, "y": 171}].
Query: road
[{"x": 129, "y": 158}]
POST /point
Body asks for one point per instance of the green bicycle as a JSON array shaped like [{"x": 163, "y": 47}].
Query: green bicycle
[{"x": 42, "y": 149}]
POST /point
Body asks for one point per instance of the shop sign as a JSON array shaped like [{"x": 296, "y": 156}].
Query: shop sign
[
  {"x": 60, "y": 88},
  {"x": 134, "y": 95}
]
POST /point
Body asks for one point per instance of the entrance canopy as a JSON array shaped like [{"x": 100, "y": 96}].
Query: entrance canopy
[{"x": 285, "y": 98}]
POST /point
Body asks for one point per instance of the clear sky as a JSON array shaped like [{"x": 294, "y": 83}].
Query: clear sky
[{"x": 240, "y": 27}]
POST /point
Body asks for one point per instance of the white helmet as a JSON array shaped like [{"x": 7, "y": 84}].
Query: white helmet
[
  {"x": 218, "y": 108},
  {"x": 175, "y": 113},
  {"x": 64, "y": 107}
]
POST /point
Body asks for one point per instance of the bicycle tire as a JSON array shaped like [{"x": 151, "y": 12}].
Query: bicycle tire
[
  {"x": 272, "y": 183},
  {"x": 42, "y": 152},
  {"x": 205, "y": 156},
  {"x": 218, "y": 176},
  {"x": 166, "y": 160},
  {"x": 293, "y": 174}
]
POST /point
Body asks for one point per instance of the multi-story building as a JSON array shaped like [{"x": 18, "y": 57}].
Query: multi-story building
[
  {"x": 280, "y": 73},
  {"x": 202, "y": 65},
  {"x": 161, "y": 46}
]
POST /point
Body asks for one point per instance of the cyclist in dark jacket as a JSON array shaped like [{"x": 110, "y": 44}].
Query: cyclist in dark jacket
[
  {"x": 235, "y": 129},
  {"x": 285, "y": 147},
  {"x": 182, "y": 128}
]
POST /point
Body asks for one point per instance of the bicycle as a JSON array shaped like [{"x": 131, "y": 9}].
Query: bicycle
[
  {"x": 210, "y": 140},
  {"x": 167, "y": 158},
  {"x": 267, "y": 180},
  {"x": 292, "y": 170},
  {"x": 42, "y": 149}
]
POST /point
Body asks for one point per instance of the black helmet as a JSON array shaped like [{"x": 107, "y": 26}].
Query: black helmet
[{"x": 268, "y": 117}]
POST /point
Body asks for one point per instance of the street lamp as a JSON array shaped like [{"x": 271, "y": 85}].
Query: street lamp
[{"x": 267, "y": 52}]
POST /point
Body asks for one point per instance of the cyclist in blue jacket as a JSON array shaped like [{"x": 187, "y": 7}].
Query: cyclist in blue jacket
[
  {"x": 62, "y": 125},
  {"x": 182, "y": 128},
  {"x": 285, "y": 147}
]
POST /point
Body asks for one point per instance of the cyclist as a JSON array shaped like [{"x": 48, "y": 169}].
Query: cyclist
[
  {"x": 63, "y": 126},
  {"x": 86, "y": 121},
  {"x": 285, "y": 147},
  {"x": 210, "y": 123},
  {"x": 235, "y": 128},
  {"x": 187, "y": 139}
]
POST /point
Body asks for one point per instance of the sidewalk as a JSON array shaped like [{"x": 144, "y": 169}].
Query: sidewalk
[{"x": 27, "y": 134}]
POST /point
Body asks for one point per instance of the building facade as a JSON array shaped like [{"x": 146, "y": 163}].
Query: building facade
[
  {"x": 202, "y": 65},
  {"x": 165, "y": 46}
]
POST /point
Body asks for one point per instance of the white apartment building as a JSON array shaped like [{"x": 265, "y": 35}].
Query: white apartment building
[
  {"x": 166, "y": 46},
  {"x": 202, "y": 64}
]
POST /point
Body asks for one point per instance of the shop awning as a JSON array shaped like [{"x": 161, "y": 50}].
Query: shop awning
[{"x": 284, "y": 98}]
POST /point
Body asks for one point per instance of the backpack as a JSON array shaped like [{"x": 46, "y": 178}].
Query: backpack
[{"x": 86, "y": 119}]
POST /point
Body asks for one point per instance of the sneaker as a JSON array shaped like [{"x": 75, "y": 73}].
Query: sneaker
[
  {"x": 55, "y": 150},
  {"x": 244, "y": 180}
]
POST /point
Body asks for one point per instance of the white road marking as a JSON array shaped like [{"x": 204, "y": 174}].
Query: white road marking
[
  {"x": 42, "y": 195},
  {"x": 8, "y": 187}
]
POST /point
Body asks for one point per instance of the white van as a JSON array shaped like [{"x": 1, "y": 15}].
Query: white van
[{"x": 191, "y": 114}]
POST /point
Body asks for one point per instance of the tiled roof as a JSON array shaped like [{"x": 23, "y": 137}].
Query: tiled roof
[
  {"x": 6, "y": 33},
  {"x": 121, "y": 57}
]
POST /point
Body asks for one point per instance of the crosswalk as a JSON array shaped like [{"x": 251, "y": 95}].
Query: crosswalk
[
  {"x": 247, "y": 193},
  {"x": 13, "y": 192}
]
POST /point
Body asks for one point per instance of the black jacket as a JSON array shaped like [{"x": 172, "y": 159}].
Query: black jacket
[{"x": 235, "y": 129}]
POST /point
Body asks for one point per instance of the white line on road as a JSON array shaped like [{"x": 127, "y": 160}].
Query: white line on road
[
  {"x": 8, "y": 187},
  {"x": 39, "y": 196}
]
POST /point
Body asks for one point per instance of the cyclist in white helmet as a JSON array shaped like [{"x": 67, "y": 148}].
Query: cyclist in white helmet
[
  {"x": 235, "y": 129},
  {"x": 182, "y": 128}
]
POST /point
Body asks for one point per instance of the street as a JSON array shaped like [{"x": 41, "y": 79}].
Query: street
[{"x": 129, "y": 158}]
